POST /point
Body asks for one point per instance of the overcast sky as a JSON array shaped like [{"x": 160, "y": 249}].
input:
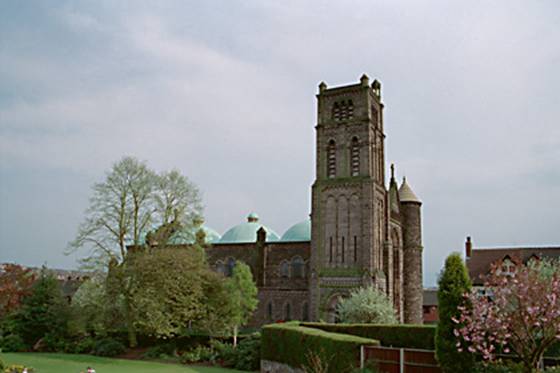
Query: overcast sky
[{"x": 225, "y": 92}]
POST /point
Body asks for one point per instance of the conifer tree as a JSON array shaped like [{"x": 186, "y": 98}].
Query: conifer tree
[{"x": 454, "y": 283}]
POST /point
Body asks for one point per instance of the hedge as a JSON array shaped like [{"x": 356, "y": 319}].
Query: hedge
[
  {"x": 402, "y": 335},
  {"x": 291, "y": 344}
]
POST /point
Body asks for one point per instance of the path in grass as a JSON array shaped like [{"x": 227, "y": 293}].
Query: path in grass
[{"x": 67, "y": 363}]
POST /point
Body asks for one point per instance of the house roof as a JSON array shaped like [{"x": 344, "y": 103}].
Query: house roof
[
  {"x": 430, "y": 297},
  {"x": 481, "y": 259}
]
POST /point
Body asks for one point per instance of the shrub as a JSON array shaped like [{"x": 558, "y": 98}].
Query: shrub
[
  {"x": 366, "y": 305},
  {"x": 407, "y": 336},
  {"x": 1, "y": 365},
  {"x": 290, "y": 344},
  {"x": 247, "y": 354},
  {"x": 555, "y": 369},
  {"x": 53, "y": 343},
  {"x": 12, "y": 343},
  {"x": 453, "y": 284},
  {"x": 161, "y": 351},
  {"x": 224, "y": 352},
  {"x": 108, "y": 347},
  {"x": 198, "y": 354},
  {"x": 498, "y": 367}
]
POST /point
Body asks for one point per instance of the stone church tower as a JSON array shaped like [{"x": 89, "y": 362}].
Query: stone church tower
[{"x": 361, "y": 233}]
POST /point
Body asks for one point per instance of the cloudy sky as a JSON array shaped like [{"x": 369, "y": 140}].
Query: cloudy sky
[{"x": 224, "y": 91}]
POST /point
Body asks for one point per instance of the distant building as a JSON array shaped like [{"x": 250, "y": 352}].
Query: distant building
[
  {"x": 479, "y": 261},
  {"x": 430, "y": 306}
]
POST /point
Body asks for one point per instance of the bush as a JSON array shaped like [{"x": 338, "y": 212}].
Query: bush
[
  {"x": 406, "y": 336},
  {"x": 498, "y": 367},
  {"x": 162, "y": 351},
  {"x": 12, "y": 343},
  {"x": 555, "y": 369},
  {"x": 247, "y": 355},
  {"x": 1, "y": 365},
  {"x": 53, "y": 343},
  {"x": 198, "y": 354},
  {"x": 366, "y": 305},
  {"x": 224, "y": 352},
  {"x": 108, "y": 347},
  {"x": 290, "y": 344}
]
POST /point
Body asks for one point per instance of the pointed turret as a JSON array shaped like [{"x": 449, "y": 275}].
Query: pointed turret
[{"x": 406, "y": 194}]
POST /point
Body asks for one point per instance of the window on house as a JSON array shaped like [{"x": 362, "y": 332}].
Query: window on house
[
  {"x": 331, "y": 159},
  {"x": 229, "y": 267},
  {"x": 269, "y": 310},
  {"x": 284, "y": 269},
  {"x": 305, "y": 311},
  {"x": 298, "y": 267},
  {"x": 355, "y": 157},
  {"x": 220, "y": 267},
  {"x": 330, "y": 250},
  {"x": 288, "y": 312}
]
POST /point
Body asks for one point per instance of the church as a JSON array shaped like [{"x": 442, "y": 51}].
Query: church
[{"x": 360, "y": 231}]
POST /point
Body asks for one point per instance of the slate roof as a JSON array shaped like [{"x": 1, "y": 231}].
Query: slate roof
[
  {"x": 430, "y": 297},
  {"x": 481, "y": 259}
]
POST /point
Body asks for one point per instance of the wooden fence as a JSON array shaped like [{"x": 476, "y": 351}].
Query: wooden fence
[{"x": 400, "y": 360}]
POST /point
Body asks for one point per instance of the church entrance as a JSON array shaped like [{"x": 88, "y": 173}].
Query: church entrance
[{"x": 332, "y": 315}]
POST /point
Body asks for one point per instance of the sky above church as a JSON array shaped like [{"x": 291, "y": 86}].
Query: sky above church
[{"x": 225, "y": 92}]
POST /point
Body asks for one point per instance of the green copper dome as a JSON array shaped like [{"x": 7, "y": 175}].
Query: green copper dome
[
  {"x": 298, "y": 232},
  {"x": 247, "y": 232},
  {"x": 187, "y": 236}
]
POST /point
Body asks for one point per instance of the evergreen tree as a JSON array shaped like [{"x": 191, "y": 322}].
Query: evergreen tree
[
  {"x": 454, "y": 283},
  {"x": 44, "y": 311}
]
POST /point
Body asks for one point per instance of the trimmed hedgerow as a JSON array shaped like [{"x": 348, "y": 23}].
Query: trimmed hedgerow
[
  {"x": 293, "y": 345},
  {"x": 406, "y": 336}
]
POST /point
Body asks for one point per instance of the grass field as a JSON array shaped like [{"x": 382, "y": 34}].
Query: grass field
[{"x": 66, "y": 363}]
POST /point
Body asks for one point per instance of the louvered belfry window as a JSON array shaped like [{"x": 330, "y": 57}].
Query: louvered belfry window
[
  {"x": 331, "y": 159},
  {"x": 355, "y": 157}
]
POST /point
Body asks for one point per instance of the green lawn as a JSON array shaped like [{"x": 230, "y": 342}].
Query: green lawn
[{"x": 66, "y": 363}]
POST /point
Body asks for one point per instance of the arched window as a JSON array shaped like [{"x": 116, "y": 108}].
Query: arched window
[
  {"x": 355, "y": 156},
  {"x": 288, "y": 311},
  {"x": 305, "y": 311},
  {"x": 220, "y": 267},
  {"x": 229, "y": 267},
  {"x": 331, "y": 159},
  {"x": 298, "y": 267},
  {"x": 336, "y": 111},
  {"x": 269, "y": 310},
  {"x": 284, "y": 269}
]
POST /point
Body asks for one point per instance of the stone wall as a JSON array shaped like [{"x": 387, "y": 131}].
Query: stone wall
[{"x": 268, "y": 366}]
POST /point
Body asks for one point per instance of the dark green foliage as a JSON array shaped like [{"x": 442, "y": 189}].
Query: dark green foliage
[
  {"x": 161, "y": 351},
  {"x": 53, "y": 343},
  {"x": 108, "y": 347},
  {"x": 12, "y": 343},
  {"x": 1, "y": 365},
  {"x": 409, "y": 336},
  {"x": 454, "y": 282},
  {"x": 84, "y": 346},
  {"x": 290, "y": 344},
  {"x": 247, "y": 354},
  {"x": 555, "y": 369},
  {"x": 44, "y": 311},
  {"x": 198, "y": 354},
  {"x": 498, "y": 367}
]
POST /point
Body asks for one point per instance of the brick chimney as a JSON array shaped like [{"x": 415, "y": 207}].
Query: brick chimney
[{"x": 468, "y": 247}]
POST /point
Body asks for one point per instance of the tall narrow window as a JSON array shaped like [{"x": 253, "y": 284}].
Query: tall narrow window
[
  {"x": 270, "y": 310},
  {"x": 284, "y": 269},
  {"x": 355, "y": 157},
  {"x": 298, "y": 267},
  {"x": 343, "y": 247},
  {"x": 355, "y": 249},
  {"x": 305, "y": 312},
  {"x": 288, "y": 312},
  {"x": 330, "y": 250},
  {"x": 331, "y": 159}
]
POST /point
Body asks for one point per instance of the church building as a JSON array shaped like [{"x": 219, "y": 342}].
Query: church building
[{"x": 360, "y": 231}]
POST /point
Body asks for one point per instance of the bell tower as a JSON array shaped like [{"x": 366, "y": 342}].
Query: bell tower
[{"x": 348, "y": 213}]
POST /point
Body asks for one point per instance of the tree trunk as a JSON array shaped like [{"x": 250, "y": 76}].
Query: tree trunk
[
  {"x": 235, "y": 336},
  {"x": 132, "y": 340}
]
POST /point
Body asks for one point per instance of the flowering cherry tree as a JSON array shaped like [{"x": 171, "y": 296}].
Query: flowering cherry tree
[{"x": 519, "y": 314}]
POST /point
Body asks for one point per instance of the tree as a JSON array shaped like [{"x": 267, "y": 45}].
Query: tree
[
  {"x": 366, "y": 305},
  {"x": 15, "y": 284},
  {"x": 90, "y": 306},
  {"x": 519, "y": 314},
  {"x": 167, "y": 294},
  {"x": 44, "y": 312},
  {"x": 242, "y": 292},
  {"x": 122, "y": 210},
  {"x": 453, "y": 283}
]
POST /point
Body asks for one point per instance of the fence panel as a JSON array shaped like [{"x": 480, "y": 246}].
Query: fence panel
[{"x": 413, "y": 361}]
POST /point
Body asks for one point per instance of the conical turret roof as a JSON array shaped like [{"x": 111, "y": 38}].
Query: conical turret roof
[{"x": 406, "y": 194}]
